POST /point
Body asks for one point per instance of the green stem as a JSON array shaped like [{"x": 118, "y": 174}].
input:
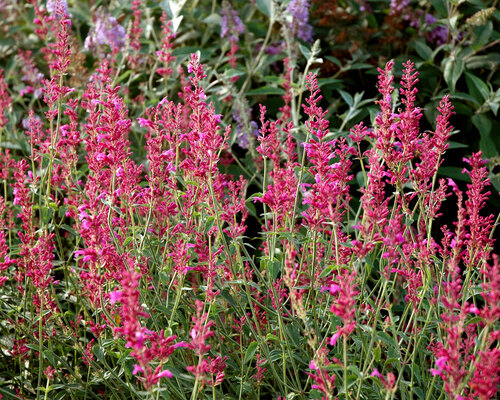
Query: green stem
[
  {"x": 47, "y": 388},
  {"x": 257, "y": 59},
  {"x": 40, "y": 348},
  {"x": 368, "y": 359},
  {"x": 345, "y": 366}
]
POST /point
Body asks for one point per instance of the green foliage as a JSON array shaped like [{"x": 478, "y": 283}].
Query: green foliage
[{"x": 351, "y": 40}]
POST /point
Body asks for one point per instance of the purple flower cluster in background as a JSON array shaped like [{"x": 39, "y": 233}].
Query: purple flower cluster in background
[
  {"x": 31, "y": 75},
  {"x": 438, "y": 35},
  {"x": 276, "y": 47},
  {"x": 57, "y": 6},
  {"x": 398, "y": 6},
  {"x": 230, "y": 23},
  {"x": 300, "y": 27},
  {"x": 107, "y": 31},
  {"x": 244, "y": 127}
]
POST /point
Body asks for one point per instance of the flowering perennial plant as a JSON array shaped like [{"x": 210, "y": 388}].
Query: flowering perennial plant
[{"x": 144, "y": 255}]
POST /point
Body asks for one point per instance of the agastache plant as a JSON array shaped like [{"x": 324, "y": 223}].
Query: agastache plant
[
  {"x": 149, "y": 250},
  {"x": 5, "y": 102},
  {"x": 146, "y": 346},
  {"x": 135, "y": 34},
  {"x": 165, "y": 53}
]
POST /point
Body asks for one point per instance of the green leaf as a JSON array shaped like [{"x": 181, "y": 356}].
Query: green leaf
[
  {"x": 423, "y": 50},
  {"x": 10, "y": 145},
  {"x": 250, "y": 204},
  {"x": 419, "y": 392},
  {"x": 186, "y": 51},
  {"x": 252, "y": 348},
  {"x": 384, "y": 337},
  {"x": 253, "y": 196},
  {"x": 477, "y": 88},
  {"x": 360, "y": 178},
  {"x": 456, "y": 145},
  {"x": 474, "y": 320},
  {"x": 267, "y": 90},
  {"x": 453, "y": 69},
  {"x": 306, "y": 52},
  {"x": 372, "y": 21},
  {"x": 360, "y": 66},
  {"x": 329, "y": 81},
  {"x": 127, "y": 241},
  {"x": 124, "y": 76},
  {"x": 69, "y": 229},
  {"x": 294, "y": 334},
  {"x": 418, "y": 375},
  {"x": 47, "y": 214},
  {"x": 251, "y": 209},
  {"x": 440, "y": 6},
  {"x": 483, "y": 34},
  {"x": 275, "y": 355},
  {"x": 354, "y": 369},
  {"x": 266, "y": 7},
  {"x": 327, "y": 271},
  {"x": 273, "y": 79},
  {"x": 464, "y": 96},
  {"x": 98, "y": 352},
  {"x": 495, "y": 181},
  {"x": 334, "y": 60},
  {"x": 61, "y": 212},
  {"x": 163, "y": 309},
  {"x": 213, "y": 19},
  {"x": 227, "y": 295},
  {"x": 209, "y": 224},
  {"x": 484, "y": 126},
  {"x": 347, "y": 97},
  {"x": 494, "y": 103},
  {"x": 49, "y": 355},
  {"x": 367, "y": 328},
  {"x": 271, "y": 337},
  {"x": 176, "y": 22},
  {"x": 488, "y": 61},
  {"x": 275, "y": 269},
  {"x": 454, "y": 173},
  {"x": 391, "y": 360}
]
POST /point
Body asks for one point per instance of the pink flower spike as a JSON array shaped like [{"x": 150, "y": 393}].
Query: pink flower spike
[
  {"x": 474, "y": 310},
  {"x": 441, "y": 362},
  {"x": 333, "y": 288},
  {"x": 387, "y": 382},
  {"x": 137, "y": 368},
  {"x": 49, "y": 372},
  {"x": 115, "y": 296},
  {"x": 452, "y": 184},
  {"x": 375, "y": 373},
  {"x": 165, "y": 374},
  {"x": 334, "y": 338}
]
